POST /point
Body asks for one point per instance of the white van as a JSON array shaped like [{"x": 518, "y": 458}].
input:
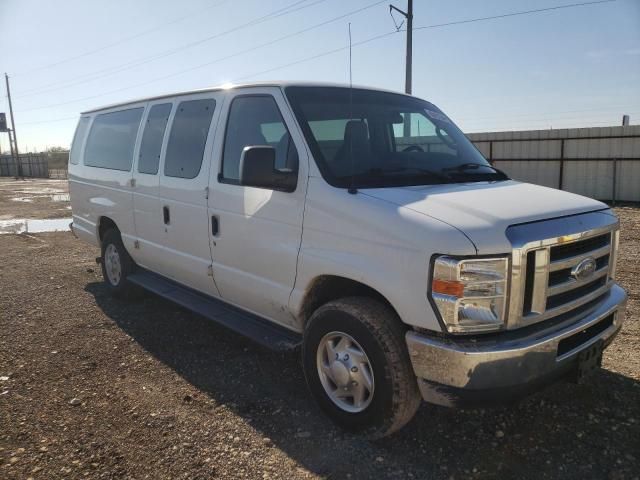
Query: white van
[{"x": 359, "y": 224}]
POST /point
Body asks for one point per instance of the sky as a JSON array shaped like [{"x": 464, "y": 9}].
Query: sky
[{"x": 568, "y": 67}]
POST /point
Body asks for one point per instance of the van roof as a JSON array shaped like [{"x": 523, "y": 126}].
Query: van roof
[{"x": 281, "y": 84}]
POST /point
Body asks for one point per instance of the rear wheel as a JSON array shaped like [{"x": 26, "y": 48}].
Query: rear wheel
[
  {"x": 116, "y": 264},
  {"x": 357, "y": 366}
]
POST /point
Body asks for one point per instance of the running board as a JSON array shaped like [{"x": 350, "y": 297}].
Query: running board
[{"x": 261, "y": 331}]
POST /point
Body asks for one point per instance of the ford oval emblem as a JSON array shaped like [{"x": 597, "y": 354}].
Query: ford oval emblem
[{"x": 584, "y": 269}]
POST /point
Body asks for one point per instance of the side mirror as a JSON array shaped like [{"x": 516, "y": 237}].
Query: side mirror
[{"x": 257, "y": 169}]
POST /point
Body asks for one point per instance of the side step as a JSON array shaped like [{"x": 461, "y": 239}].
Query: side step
[{"x": 261, "y": 331}]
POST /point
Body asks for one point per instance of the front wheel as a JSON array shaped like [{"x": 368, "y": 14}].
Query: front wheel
[{"x": 357, "y": 366}]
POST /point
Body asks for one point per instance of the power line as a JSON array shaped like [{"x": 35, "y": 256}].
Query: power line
[
  {"x": 339, "y": 49},
  {"x": 98, "y": 74},
  {"x": 118, "y": 42},
  {"x": 514, "y": 14},
  {"x": 439, "y": 25},
  {"x": 227, "y": 57},
  {"x": 306, "y": 59},
  {"x": 319, "y": 55},
  {"x": 248, "y": 50}
]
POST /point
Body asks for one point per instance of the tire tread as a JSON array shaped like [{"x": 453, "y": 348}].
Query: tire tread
[{"x": 389, "y": 331}]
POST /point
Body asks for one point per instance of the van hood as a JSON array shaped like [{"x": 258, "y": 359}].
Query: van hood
[{"x": 483, "y": 211}]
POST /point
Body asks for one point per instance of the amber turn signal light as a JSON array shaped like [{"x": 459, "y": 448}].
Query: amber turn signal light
[{"x": 448, "y": 287}]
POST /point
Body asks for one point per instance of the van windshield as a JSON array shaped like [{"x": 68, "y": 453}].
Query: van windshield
[{"x": 366, "y": 138}]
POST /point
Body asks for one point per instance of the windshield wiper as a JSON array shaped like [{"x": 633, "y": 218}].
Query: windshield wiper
[
  {"x": 419, "y": 170},
  {"x": 474, "y": 166}
]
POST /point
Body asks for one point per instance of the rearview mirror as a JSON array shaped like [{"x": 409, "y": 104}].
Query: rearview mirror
[{"x": 257, "y": 169}]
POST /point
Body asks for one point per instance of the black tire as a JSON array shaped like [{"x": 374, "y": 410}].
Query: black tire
[
  {"x": 380, "y": 333},
  {"x": 121, "y": 287}
]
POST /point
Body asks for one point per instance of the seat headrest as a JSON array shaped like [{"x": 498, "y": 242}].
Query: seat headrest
[{"x": 356, "y": 131}]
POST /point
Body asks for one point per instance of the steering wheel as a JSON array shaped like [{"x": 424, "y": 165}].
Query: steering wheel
[{"x": 413, "y": 148}]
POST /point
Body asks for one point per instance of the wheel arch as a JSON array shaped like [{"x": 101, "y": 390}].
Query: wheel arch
[
  {"x": 104, "y": 225},
  {"x": 325, "y": 288}
]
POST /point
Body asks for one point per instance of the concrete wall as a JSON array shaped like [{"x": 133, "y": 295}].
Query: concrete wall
[{"x": 580, "y": 160}]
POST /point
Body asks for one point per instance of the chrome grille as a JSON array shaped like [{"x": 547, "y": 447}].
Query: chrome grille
[
  {"x": 562, "y": 286},
  {"x": 558, "y": 273}
]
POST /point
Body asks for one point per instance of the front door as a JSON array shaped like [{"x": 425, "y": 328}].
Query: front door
[
  {"x": 257, "y": 232},
  {"x": 184, "y": 191}
]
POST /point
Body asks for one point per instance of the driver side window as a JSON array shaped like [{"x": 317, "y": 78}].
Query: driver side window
[
  {"x": 255, "y": 120},
  {"x": 417, "y": 132}
]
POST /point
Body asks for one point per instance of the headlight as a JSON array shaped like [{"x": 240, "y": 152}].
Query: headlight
[{"x": 470, "y": 293}]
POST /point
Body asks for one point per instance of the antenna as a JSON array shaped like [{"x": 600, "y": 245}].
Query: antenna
[{"x": 352, "y": 189}]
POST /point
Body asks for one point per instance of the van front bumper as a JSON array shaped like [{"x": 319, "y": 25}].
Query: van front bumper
[{"x": 503, "y": 367}]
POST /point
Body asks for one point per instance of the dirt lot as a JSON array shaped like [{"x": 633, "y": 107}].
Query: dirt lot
[
  {"x": 34, "y": 198},
  {"x": 92, "y": 387}
]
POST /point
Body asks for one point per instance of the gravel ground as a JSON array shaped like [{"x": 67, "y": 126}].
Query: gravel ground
[{"x": 93, "y": 387}]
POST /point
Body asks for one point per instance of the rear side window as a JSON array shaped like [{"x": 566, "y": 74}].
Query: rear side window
[
  {"x": 112, "y": 139},
  {"x": 255, "y": 120},
  {"x": 78, "y": 138},
  {"x": 188, "y": 138},
  {"x": 152, "y": 138}
]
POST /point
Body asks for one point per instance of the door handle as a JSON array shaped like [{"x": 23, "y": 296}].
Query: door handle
[
  {"x": 165, "y": 215},
  {"x": 215, "y": 225}
]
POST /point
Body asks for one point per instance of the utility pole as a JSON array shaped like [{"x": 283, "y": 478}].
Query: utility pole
[
  {"x": 13, "y": 127},
  {"x": 408, "y": 15},
  {"x": 409, "y": 61},
  {"x": 13, "y": 155}
]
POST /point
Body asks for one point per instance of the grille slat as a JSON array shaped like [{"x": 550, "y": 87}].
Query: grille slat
[
  {"x": 555, "y": 301},
  {"x": 580, "y": 247},
  {"x": 570, "y": 283},
  {"x": 570, "y": 261},
  {"x": 560, "y": 276}
]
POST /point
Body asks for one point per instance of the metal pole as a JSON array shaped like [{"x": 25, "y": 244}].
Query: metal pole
[
  {"x": 10, "y": 143},
  {"x": 615, "y": 175},
  {"x": 561, "y": 174},
  {"x": 409, "y": 53},
  {"x": 13, "y": 126},
  {"x": 408, "y": 57}
]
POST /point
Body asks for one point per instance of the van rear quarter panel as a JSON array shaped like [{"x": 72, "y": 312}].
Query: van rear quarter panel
[
  {"x": 376, "y": 243},
  {"x": 99, "y": 192},
  {"x": 102, "y": 192}
]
